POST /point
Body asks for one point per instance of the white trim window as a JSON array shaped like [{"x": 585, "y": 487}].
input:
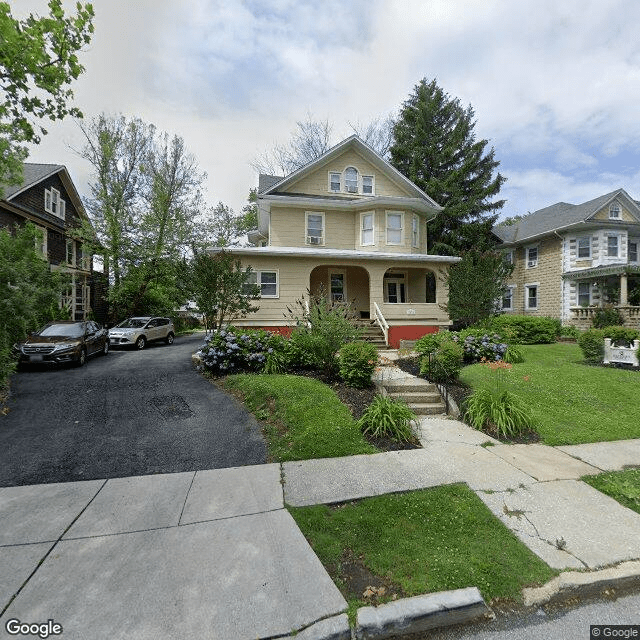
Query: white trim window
[
  {"x": 335, "y": 181},
  {"x": 531, "y": 296},
  {"x": 71, "y": 252},
  {"x": 612, "y": 246},
  {"x": 415, "y": 232},
  {"x": 614, "y": 211},
  {"x": 314, "y": 228},
  {"x": 532, "y": 257},
  {"x": 583, "y": 245},
  {"x": 584, "y": 294},
  {"x": 508, "y": 256},
  {"x": 632, "y": 251},
  {"x": 351, "y": 180},
  {"x": 367, "y": 228},
  {"x": 506, "y": 302},
  {"x": 395, "y": 225},
  {"x": 53, "y": 203},
  {"x": 41, "y": 241},
  {"x": 267, "y": 281},
  {"x": 367, "y": 185}
]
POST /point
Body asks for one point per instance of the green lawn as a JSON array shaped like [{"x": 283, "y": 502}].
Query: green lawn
[
  {"x": 623, "y": 486},
  {"x": 422, "y": 541},
  {"x": 571, "y": 402},
  {"x": 304, "y": 417}
]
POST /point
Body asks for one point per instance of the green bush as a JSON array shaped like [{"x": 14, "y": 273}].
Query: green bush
[
  {"x": 606, "y": 317},
  {"x": 500, "y": 413},
  {"x": 444, "y": 363},
  {"x": 358, "y": 361},
  {"x": 431, "y": 341},
  {"x": 591, "y": 343},
  {"x": 388, "y": 418},
  {"x": 621, "y": 336},
  {"x": 569, "y": 331},
  {"x": 513, "y": 354},
  {"x": 526, "y": 329}
]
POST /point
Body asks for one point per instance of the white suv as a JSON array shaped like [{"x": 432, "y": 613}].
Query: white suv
[{"x": 137, "y": 332}]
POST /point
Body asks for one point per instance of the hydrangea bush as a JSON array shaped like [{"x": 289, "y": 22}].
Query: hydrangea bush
[
  {"x": 479, "y": 344},
  {"x": 231, "y": 350}
]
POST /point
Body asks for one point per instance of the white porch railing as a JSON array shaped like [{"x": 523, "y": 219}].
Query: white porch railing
[{"x": 382, "y": 323}]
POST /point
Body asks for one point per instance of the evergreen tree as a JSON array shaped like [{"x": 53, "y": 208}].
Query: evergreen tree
[{"x": 436, "y": 148}]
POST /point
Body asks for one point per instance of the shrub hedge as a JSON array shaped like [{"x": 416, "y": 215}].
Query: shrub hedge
[{"x": 525, "y": 329}]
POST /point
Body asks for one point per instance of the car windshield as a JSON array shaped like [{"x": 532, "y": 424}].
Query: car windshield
[
  {"x": 133, "y": 323},
  {"x": 63, "y": 330}
]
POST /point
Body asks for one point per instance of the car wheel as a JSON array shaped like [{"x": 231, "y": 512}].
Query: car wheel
[
  {"x": 105, "y": 349},
  {"x": 169, "y": 339},
  {"x": 141, "y": 343},
  {"x": 82, "y": 358}
]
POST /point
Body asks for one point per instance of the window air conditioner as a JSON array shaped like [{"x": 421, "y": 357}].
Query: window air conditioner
[
  {"x": 532, "y": 263},
  {"x": 352, "y": 189},
  {"x": 314, "y": 240}
]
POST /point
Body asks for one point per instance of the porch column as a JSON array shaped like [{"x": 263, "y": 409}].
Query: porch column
[{"x": 623, "y": 290}]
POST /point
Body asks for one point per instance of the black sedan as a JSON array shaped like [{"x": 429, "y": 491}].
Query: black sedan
[{"x": 61, "y": 342}]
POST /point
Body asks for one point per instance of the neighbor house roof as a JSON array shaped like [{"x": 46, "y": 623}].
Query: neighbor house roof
[
  {"x": 558, "y": 216},
  {"x": 32, "y": 173}
]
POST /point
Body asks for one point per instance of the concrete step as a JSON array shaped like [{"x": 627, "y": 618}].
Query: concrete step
[
  {"x": 409, "y": 385},
  {"x": 417, "y": 397},
  {"x": 427, "y": 408}
]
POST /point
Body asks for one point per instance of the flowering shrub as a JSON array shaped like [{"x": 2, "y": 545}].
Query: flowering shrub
[
  {"x": 478, "y": 344},
  {"x": 230, "y": 350},
  {"x": 358, "y": 361}
]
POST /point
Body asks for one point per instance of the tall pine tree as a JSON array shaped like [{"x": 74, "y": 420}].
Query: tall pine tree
[{"x": 435, "y": 147}]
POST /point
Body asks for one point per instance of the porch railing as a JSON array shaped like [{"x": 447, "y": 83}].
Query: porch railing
[
  {"x": 382, "y": 323},
  {"x": 629, "y": 313}
]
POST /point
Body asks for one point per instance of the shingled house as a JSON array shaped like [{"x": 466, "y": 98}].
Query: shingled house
[{"x": 48, "y": 198}]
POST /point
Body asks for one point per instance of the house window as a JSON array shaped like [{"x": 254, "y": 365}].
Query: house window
[
  {"x": 532, "y": 257},
  {"x": 334, "y": 182},
  {"x": 367, "y": 185},
  {"x": 584, "y": 247},
  {"x": 614, "y": 211},
  {"x": 71, "y": 253},
  {"x": 507, "y": 299},
  {"x": 337, "y": 284},
  {"x": 53, "y": 203},
  {"x": 584, "y": 294},
  {"x": 394, "y": 227},
  {"x": 394, "y": 288},
  {"x": 415, "y": 231},
  {"x": 315, "y": 228},
  {"x": 612, "y": 246},
  {"x": 351, "y": 180},
  {"x": 508, "y": 257},
  {"x": 266, "y": 280},
  {"x": 633, "y": 251},
  {"x": 366, "y": 228},
  {"x": 41, "y": 241},
  {"x": 531, "y": 297}
]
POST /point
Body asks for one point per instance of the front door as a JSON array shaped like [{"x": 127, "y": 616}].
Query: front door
[
  {"x": 338, "y": 285},
  {"x": 394, "y": 290}
]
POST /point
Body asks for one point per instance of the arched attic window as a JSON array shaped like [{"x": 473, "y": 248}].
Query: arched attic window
[
  {"x": 614, "y": 211},
  {"x": 351, "y": 180}
]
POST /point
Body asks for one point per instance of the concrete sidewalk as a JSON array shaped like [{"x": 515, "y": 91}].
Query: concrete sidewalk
[{"x": 216, "y": 554}]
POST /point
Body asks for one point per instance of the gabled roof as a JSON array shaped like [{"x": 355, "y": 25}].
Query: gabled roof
[
  {"x": 363, "y": 149},
  {"x": 31, "y": 174},
  {"x": 560, "y": 216}
]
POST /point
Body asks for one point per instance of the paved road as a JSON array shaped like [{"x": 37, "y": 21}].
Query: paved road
[{"x": 129, "y": 413}]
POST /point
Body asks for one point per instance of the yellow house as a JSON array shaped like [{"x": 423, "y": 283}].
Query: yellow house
[{"x": 350, "y": 224}]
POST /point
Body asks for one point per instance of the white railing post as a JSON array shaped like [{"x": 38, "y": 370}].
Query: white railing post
[{"x": 382, "y": 323}]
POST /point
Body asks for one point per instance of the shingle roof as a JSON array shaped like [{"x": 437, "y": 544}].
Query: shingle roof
[
  {"x": 32, "y": 174},
  {"x": 266, "y": 181},
  {"x": 556, "y": 216}
]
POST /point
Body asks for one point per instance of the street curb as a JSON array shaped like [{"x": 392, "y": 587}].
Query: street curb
[
  {"x": 412, "y": 615},
  {"x": 573, "y": 583}
]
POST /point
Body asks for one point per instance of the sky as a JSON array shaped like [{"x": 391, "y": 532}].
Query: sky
[{"x": 555, "y": 86}]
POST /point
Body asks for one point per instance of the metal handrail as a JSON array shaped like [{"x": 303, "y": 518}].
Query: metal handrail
[{"x": 382, "y": 323}]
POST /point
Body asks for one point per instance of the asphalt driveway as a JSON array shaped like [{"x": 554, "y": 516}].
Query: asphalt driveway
[{"x": 129, "y": 413}]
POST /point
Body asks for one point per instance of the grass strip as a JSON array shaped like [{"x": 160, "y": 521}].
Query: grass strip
[
  {"x": 623, "y": 486},
  {"x": 570, "y": 402},
  {"x": 422, "y": 541},
  {"x": 303, "y": 417}
]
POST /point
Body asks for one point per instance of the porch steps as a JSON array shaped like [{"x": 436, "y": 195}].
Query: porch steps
[
  {"x": 372, "y": 333},
  {"x": 422, "y": 397}
]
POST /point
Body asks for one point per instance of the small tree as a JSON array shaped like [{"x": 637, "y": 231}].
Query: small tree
[
  {"x": 221, "y": 288},
  {"x": 476, "y": 284}
]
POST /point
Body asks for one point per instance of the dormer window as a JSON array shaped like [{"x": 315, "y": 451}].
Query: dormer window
[
  {"x": 367, "y": 185},
  {"x": 53, "y": 203},
  {"x": 614, "y": 211},
  {"x": 334, "y": 182},
  {"x": 351, "y": 180}
]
